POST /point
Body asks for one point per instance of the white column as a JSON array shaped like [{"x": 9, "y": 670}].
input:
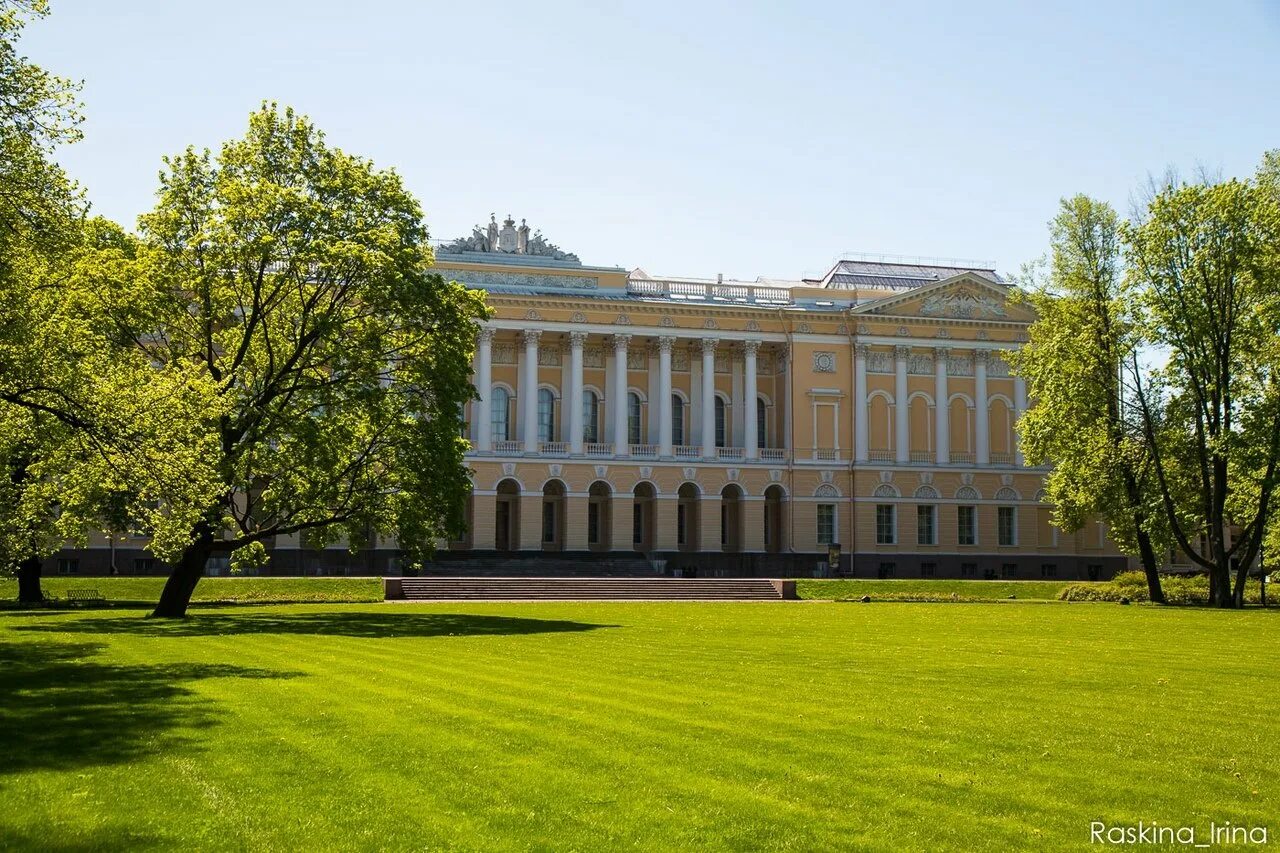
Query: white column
[
  {"x": 576, "y": 342},
  {"x": 1019, "y": 406},
  {"x": 749, "y": 426},
  {"x": 620, "y": 446},
  {"x": 664, "y": 397},
  {"x": 981, "y": 420},
  {"x": 529, "y": 391},
  {"x": 941, "y": 410},
  {"x": 901, "y": 416},
  {"x": 784, "y": 367},
  {"x": 709, "y": 397},
  {"x": 860, "y": 420},
  {"x": 484, "y": 389}
]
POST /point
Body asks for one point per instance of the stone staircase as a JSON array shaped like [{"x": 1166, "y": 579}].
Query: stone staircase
[
  {"x": 496, "y": 565},
  {"x": 586, "y": 589}
]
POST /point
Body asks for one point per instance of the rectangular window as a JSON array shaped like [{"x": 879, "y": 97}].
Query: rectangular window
[
  {"x": 546, "y": 416},
  {"x": 926, "y": 530},
  {"x": 548, "y": 522},
  {"x": 680, "y": 524},
  {"x": 677, "y": 421},
  {"x": 888, "y": 570},
  {"x": 633, "y": 419},
  {"x": 721, "y": 430},
  {"x": 143, "y": 565},
  {"x": 1008, "y": 570},
  {"x": 967, "y": 525},
  {"x": 1007, "y": 525},
  {"x": 1048, "y": 570},
  {"x": 886, "y": 524},
  {"x": 826, "y": 524},
  {"x": 593, "y": 523},
  {"x": 928, "y": 570},
  {"x": 68, "y": 565},
  {"x": 968, "y": 570},
  {"x": 637, "y": 524},
  {"x": 590, "y": 417},
  {"x": 1095, "y": 571}
]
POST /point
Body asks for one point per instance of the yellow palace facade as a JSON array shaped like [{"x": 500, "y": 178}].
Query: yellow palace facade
[{"x": 860, "y": 423}]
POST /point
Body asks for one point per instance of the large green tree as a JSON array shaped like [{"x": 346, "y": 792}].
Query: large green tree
[
  {"x": 1084, "y": 422},
  {"x": 295, "y": 278},
  {"x": 1205, "y": 260}
]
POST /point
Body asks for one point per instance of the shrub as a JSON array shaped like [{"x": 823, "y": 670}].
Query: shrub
[{"x": 1178, "y": 589}]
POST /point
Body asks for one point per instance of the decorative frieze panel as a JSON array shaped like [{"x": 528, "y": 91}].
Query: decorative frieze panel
[
  {"x": 549, "y": 356},
  {"x": 636, "y": 360},
  {"x": 960, "y": 365},
  {"x": 962, "y": 304},
  {"x": 824, "y": 362},
  {"x": 488, "y": 278},
  {"x": 997, "y": 366},
  {"x": 680, "y": 360},
  {"x": 593, "y": 357},
  {"x": 504, "y": 354},
  {"x": 920, "y": 364},
  {"x": 879, "y": 361},
  {"x": 723, "y": 364},
  {"x": 764, "y": 364}
]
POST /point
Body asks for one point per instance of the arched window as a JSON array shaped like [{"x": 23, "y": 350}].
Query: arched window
[
  {"x": 720, "y": 424},
  {"x": 762, "y": 424},
  {"x": 499, "y": 414},
  {"x": 677, "y": 420},
  {"x": 590, "y": 417},
  {"x": 633, "y": 418},
  {"x": 546, "y": 415}
]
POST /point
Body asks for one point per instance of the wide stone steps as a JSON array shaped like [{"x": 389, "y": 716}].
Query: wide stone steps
[{"x": 593, "y": 589}]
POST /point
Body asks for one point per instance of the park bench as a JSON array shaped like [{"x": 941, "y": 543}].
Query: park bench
[{"x": 84, "y": 596}]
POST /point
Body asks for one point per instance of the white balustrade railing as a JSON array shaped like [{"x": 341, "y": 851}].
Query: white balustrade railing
[
  {"x": 599, "y": 449},
  {"x": 645, "y": 451},
  {"x": 731, "y": 452},
  {"x": 773, "y": 453},
  {"x": 826, "y": 454},
  {"x": 1001, "y": 458},
  {"x": 962, "y": 457},
  {"x": 508, "y": 448},
  {"x": 922, "y": 456},
  {"x": 880, "y": 455},
  {"x": 686, "y": 451},
  {"x": 696, "y": 291},
  {"x": 553, "y": 448}
]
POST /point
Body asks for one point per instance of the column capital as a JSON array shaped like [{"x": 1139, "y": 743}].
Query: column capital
[
  {"x": 620, "y": 342},
  {"x": 484, "y": 334},
  {"x": 666, "y": 343},
  {"x": 577, "y": 339},
  {"x": 942, "y": 353},
  {"x": 531, "y": 336},
  {"x": 902, "y": 353},
  {"x": 982, "y": 356},
  {"x": 751, "y": 347},
  {"x": 862, "y": 350},
  {"x": 709, "y": 345}
]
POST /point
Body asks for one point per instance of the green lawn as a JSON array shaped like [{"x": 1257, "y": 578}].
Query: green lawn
[
  {"x": 234, "y": 589},
  {"x": 684, "y": 726}
]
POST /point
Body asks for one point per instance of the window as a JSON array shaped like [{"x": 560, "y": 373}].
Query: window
[
  {"x": 768, "y": 523},
  {"x": 886, "y": 524},
  {"x": 926, "y": 530},
  {"x": 762, "y": 424},
  {"x": 633, "y": 418},
  {"x": 720, "y": 426},
  {"x": 680, "y": 524},
  {"x": 887, "y": 570},
  {"x": 968, "y": 570},
  {"x": 826, "y": 524},
  {"x": 1095, "y": 572},
  {"x": 1008, "y": 570},
  {"x": 590, "y": 417},
  {"x": 143, "y": 565},
  {"x": 548, "y": 521},
  {"x": 637, "y": 523},
  {"x": 1007, "y": 525},
  {"x": 967, "y": 525},
  {"x": 68, "y": 566},
  {"x": 724, "y": 524},
  {"x": 928, "y": 570},
  {"x": 1048, "y": 570},
  {"x": 546, "y": 415},
  {"x": 499, "y": 415},
  {"x": 677, "y": 420},
  {"x": 593, "y": 523}
]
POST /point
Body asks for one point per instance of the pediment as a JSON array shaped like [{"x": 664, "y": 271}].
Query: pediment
[{"x": 962, "y": 297}]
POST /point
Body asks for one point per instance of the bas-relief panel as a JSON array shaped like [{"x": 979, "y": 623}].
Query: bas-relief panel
[
  {"x": 490, "y": 278},
  {"x": 593, "y": 357},
  {"x": 680, "y": 360},
  {"x": 879, "y": 361},
  {"x": 960, "y": 365},
  {"x": 636, "y": 360},
  {"x": 504, "y": 354},
  {"x": 549, "y": 356},
  {"x": 920, "y": 364}
]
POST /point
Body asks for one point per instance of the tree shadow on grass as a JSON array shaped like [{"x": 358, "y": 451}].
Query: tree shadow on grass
[
  {"x": 327, "y": 623},
  {"x": 60, "y": 711}
]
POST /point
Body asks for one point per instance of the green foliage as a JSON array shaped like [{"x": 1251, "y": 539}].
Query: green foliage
[
  {"x": 852, "y": 589},
  {"x": 1178, "y": 589},
  {"x": 292, "y": 278},
  {"x": 668, "y": 726}
]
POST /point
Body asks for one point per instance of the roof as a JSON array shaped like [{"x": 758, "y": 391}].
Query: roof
[{"x": 860, "y": 274}]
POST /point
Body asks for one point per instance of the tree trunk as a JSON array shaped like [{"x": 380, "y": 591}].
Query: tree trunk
[
  {"x": 1242, "y": 578},
  {"x": 29, "y": 571},
  {"x": 185, "y": 575},
  {"x": 1149, "y": 567},
  {"x": 1220, "y": 587}
]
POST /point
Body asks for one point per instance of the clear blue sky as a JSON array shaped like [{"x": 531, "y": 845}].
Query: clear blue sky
[{"x": 695, "y": 138}]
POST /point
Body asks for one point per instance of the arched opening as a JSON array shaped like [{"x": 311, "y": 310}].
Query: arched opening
[
  {"x": 960, "y": 421},
  {"x": 731, "y": 506},
  {"x": 590, "y": 416},
  {"x": 553, "y": 521},
  {"x": 546, "y": 415},
  {"x": 635, "y": 419},
  {"x": 598, "y": 521},
  {"x": 774, "y": 527},
  {"x": 642, "y": 510},
  {"x": 677, "y": 420},
  {"x": 506, "y": 516},
  {"x": 500, "y": 414},
  {"x": 762, "y": 423},
  {"x": 687, "y": 518},
  {"x": 880, "y": 423},
  {"x": 722, "y": 422},
  {"x": 1001, "y": 427},
  {"x": 920, "y": 419}
]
